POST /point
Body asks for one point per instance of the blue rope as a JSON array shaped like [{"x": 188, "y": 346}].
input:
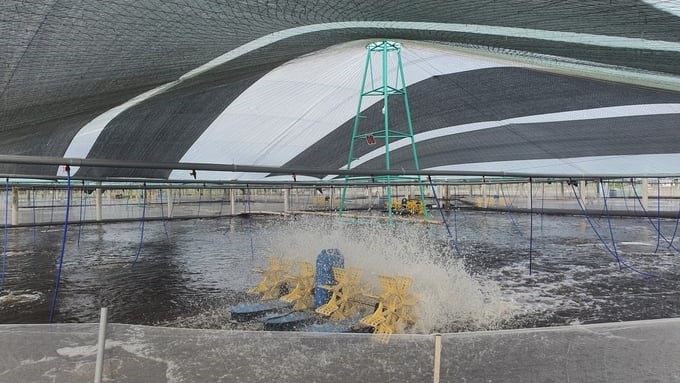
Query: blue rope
[
  {"x": 448, "y": 230},
  {"x": 5, "y": 235},
  {"x": 141, "y": 236},
  {"x": 675, "y": 231},
  {"x": 659, "y": 233},
  {"x": 55, "y": 296},
  {"x": 611, "y": 230},
  {"x": 606, "y": 246},
  {"x": 163, "y": 221},
  {"x": 508, "y": 205}
]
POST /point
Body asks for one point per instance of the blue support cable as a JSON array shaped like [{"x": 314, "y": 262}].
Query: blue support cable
[
  {"x": 606, "y": 246},
  {"x": 611, "y": 230},
  {"x": 55, "y": 295},
  {"x": 508, "y": 205},
  {"x": 659, "y": 233},
  {"x": 675, "y": 231},
  {"x": 163, "y": 220},
  {"x": 141, "y": 236},
  {"x": 448, "y": 230},
  {"x": 5, "y": 236}
]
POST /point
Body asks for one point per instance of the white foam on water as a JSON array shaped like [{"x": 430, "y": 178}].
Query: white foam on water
[
  {"x": 447, "y": 293},
  {"x": 12, "y": 298}
]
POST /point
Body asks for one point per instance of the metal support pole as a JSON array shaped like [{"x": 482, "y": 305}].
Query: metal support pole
[
  {"x": 645, "y": 193},
  {"x": 232, "y": 201},
  {"x": 98, "y": 202},
  {"x": 286, "y": 199},
  {"x": 170, "y": 202},
  {"x": 101, "y": 346},
  {"x": 485, "y": 197},
  {"x": 15, "y": 206}
]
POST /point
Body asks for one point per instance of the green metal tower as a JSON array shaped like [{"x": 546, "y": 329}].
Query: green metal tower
[{"x": 381, "y": 57}]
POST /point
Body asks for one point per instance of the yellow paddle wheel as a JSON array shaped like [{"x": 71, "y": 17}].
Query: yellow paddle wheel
[
  {"x": 302, "y": 295},
  {"x": 274, "y": 278},
  {"x": 395, "y": 309},
  {"x": 344, "y": 302}
]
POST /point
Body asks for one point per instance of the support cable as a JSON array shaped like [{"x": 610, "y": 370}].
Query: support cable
[
  {"x": 163, "y": 220},
  {"x": 141, "y": 236},
  {"x": 448, "y": 230},
  {"x": 509, "y": 206},
  {"x": 675, "y": 231},
  {"x": 606, "y": 246},
  {"x": 609, "y": 221},
  {"x": 659, "y": 233},
  {"x": 55, "y": 295}
]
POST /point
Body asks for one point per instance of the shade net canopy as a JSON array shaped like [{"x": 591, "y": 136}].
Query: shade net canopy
[{"x": 540, "y": 87}]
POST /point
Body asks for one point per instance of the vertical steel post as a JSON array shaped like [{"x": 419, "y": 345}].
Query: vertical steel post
[
  {"x": 15, "y": 205},
  {"x": 98, "y": 202}
]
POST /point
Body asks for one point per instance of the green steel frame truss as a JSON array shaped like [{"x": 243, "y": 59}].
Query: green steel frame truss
[{"x": 381, "y": 87}]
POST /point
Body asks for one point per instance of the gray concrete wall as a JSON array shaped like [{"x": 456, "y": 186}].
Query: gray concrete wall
[{"x": 646, "y": 351}]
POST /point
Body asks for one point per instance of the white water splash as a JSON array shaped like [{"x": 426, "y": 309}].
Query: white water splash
[{"x": 447, "y": 293}]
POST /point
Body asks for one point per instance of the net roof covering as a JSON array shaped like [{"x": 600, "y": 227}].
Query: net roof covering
[{"x": 551, "y": 87}]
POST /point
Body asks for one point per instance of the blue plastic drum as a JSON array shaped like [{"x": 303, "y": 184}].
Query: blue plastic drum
[{"x": 325, "y": 262}]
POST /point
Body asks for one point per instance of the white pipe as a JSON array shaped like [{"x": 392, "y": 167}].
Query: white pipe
[
  {"x": 101, "y": 345},
  {"x": 437, "y": 357}
]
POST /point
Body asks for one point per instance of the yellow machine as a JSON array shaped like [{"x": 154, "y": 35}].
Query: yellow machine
[
  {"x": 394, "y": 307},
  {"x": 410, "y": 206}
]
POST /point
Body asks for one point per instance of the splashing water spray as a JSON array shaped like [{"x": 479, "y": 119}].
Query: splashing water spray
[{"x": 449, "y": 297}]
